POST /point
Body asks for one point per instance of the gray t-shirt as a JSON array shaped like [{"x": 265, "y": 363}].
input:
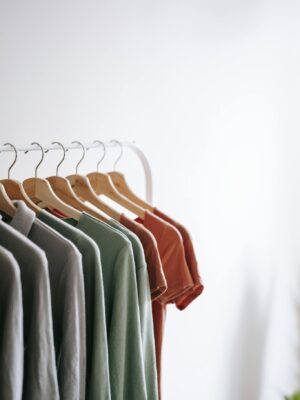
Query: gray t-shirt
[
  {"x": 40, "y": 378},
  {"x": 145, "y": 310},
  {"x": 11, "y": 332},
  {"x": 97, "y": 370},
  {"x": 67, "y": 295}
]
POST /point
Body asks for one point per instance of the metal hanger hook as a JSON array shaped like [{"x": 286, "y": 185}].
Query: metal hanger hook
[
  {"x": 104, "y": 152},
  {"x": 120, "y": 154},
  {"x": 64, "y": 155},
  {"x": 83, "y": 154},
  {"x": 15, "y": 159},
  {"x": 41, "y": 160}
]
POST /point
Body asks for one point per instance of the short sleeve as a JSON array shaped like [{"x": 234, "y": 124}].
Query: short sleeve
[{"x": 176, "y": 271}]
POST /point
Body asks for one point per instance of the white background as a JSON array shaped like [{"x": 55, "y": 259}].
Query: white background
[{"x": 210, "y": 91}]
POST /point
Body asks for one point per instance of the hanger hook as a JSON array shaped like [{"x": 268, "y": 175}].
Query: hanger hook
[
  {"x": 104, "y": 152},
  {"x": 15, "y": 159},
  {"x": 64, "y": 155},
  {"x": 41, "y": 160},
  {"x": 121, "y": 152},
  {"x": 83, "y": 154}
]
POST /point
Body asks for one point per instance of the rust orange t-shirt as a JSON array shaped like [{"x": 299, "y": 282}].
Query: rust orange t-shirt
[
  {"x": 184, "y": 300},
  {"x": 179, "y": 280},
  {"x": 172, "y": 255},
  {"x": 157, "y": 280},
  {"x": 159, "y": 316}
]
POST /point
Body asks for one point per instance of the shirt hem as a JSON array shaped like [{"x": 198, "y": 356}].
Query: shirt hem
[{"x": 188, "y": 298}]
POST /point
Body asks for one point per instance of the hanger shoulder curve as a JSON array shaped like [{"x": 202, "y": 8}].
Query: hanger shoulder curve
[
  {"x": 63, "y": 189},
  {"x": 15, "y": 191},
  {"x": 121, "y": 184},
  {"x": 40, "y": 189},
  {"x": 82, "y": 187},
  {"x": 102, "y": 184},
  {"x": 6, "y": 205}
]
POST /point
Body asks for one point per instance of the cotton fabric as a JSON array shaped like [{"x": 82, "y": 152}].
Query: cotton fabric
[
  {"x": 11, "y": 333},
  {"x": 185, "y": 299},
  {"x": 171, "y": 251},
  {"x": 97, "y": 370},
  {"x": 127, "y": 377},
  {"x": 67, "y": 295},
  {"x": 178, "y": 277},
  {"x": 157, "y": 280},
  {"x": 145, "y": 311},
  {"x": 40, "y": 378}
]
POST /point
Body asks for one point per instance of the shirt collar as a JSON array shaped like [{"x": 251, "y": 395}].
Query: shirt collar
[{"x": 23, "y": 219}]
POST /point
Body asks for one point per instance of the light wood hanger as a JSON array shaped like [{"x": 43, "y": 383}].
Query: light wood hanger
[
  {"x": 40, "y": 191},
  {"x": 14, "y": 189},
  {"x": 122, "y": 186},
  {"x": 82, "y": 187},
  {"x": 6, "y": 205},
  {"x": 63, "y": 189},
  {"x": 103, "y": 185}
]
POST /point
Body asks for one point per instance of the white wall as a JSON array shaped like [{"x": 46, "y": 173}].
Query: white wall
[{"x": 210, "y": 90}]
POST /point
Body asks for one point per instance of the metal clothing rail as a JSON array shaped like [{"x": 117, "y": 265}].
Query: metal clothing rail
[{"x": 130, "y": 145}]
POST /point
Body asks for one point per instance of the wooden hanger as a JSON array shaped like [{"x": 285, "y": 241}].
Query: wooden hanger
[
  {"x": 40, "y": 191},
  {"x": 119, "y": 181},
  {"x": 63, "y": 189},
  {"x": 122, "y": 186},
  {"x": 6, "y": 205},
  {"x": 14, "y": 189},
  {"x": 82, "y": 187},
  {"x": 102, "y": 184}
]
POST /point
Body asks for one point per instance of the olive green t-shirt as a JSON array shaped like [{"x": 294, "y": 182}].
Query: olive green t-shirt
[
  {"x": 97, "y": 372},
  {"x": 127, "y": 376},
  {"x": 145, "y": 310}
]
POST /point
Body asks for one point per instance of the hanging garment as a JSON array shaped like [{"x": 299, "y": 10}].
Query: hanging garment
[
  {"x": 11, "y": 322},
  {"x": 159, "y": 319},
  {"x": 157, "y": 280},
  {"x": 183, "y": 301},
  {"x": 171, "y": 251},
  {"x": 67, "y": 295},
  {"x": 127, "y": 375},
  {"x": 179, "y": 280},
  {"x": 89, "y": 292},
  {"x": 145, "y": 311},
  {"x": 97, "y": 371},
  {"x": 40, "y": 378}
]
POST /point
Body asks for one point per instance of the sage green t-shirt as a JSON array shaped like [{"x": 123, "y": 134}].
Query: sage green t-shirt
[
  {"x": 97, "y": 372},
  {"x": 145, "y": 310},
  {"x": 127, "y": 375}
]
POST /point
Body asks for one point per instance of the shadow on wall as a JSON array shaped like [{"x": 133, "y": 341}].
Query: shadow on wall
[
  {"x": 297, "y": 349},
  {"x": 248, "y": 346}
]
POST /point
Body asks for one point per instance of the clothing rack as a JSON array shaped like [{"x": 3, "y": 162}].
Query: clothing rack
[{"x": 122, "y": 144}]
